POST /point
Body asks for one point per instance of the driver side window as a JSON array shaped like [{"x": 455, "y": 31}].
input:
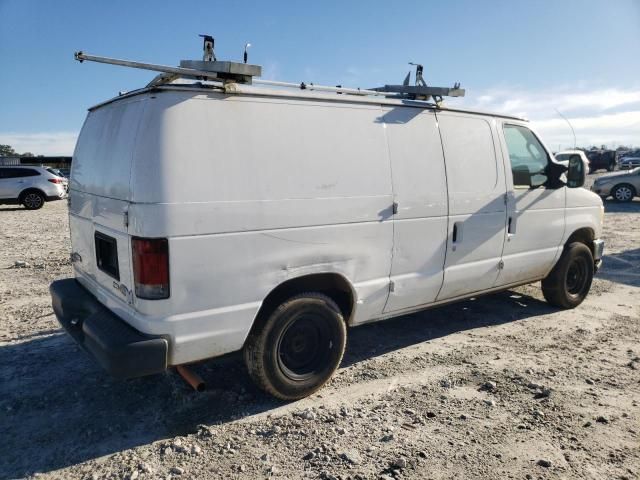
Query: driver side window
[{"x": 528, "y": 158}]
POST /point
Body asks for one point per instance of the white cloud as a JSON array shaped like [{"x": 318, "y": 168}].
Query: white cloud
[
  {"x": 622, "y": 128},
  {"x": 45, "y": 143},
  {"x": 608, "y": 116}
]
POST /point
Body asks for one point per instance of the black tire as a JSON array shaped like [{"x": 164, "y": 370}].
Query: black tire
[
  {"x": 623, "y": 193},
  {"x": 570, "y": 280},
  {"x": 298, "y": 348},
  {"x": 611, "y": 167},
  {"x": 32, "y": 199}
]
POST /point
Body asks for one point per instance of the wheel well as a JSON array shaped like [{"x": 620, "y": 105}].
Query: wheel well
[
  {"x": 333, "y": 285},
  {"x": 582, "y": 235},
  {"x": 31, "y": 189}
]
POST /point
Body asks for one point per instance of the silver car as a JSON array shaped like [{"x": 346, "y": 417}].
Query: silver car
[
  {"x": 622, "y": 186},
  {"x": 31, "y": 186}
]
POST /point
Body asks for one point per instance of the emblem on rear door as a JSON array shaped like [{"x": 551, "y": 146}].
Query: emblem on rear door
[{"x": 123, "y": 290}]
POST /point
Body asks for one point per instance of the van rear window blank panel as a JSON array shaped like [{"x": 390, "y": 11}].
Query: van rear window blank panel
[{"x": 107, "y": 255}]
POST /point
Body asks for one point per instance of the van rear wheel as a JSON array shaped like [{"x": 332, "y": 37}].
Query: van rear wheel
[
  {"x": 298, "y": 348},
  {"x": 570, "y": 280}
]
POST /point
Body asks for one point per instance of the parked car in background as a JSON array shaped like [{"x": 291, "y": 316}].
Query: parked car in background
[
  {"x": 628, "y": 163},
  {"x": 65, "y": 171},
  {"x": 629, "y": 153},
  {"x": 31, "y": 186},
  {"x": 564, "y": 156},
  {"x": 57, "y": 171},
  {"x": 602, "y": 159},
  {"x": 622, "y": 186}
]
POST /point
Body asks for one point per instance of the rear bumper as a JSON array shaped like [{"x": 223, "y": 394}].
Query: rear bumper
[
  {"x": 121, "y": 350},
  {"x": 51, "y": 198},
  {"x": 598, "y": 251},
  {"x": 60, "y": 192}
]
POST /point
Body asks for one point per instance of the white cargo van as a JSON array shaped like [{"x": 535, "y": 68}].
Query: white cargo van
[{"x": 211, "y": 217}]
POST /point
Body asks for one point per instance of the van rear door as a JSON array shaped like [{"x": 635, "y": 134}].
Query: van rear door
[{"x": 100, "y": 195}]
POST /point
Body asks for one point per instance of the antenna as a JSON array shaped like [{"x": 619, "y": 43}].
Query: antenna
[
  {"x": 246, "y": 46},
  {"x": 570, "y": 126}
]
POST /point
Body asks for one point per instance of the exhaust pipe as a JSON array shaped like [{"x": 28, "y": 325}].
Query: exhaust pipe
[{"x": 193, "y": 379}]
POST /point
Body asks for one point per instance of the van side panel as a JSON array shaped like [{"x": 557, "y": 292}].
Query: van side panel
[
  {"x": 477, "y": 207},
  {"x": 215, "y": 148},
  {"x": 420, "y": 191},
  {"x": 252, "y": 192}
]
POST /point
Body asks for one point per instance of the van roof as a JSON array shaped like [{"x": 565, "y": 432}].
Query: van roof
[{"x": 307, "y": 94}]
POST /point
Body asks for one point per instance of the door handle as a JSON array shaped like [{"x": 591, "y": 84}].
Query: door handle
[
  {"x": 511, "y": 226},
  {"x": 456, "y": 235}
]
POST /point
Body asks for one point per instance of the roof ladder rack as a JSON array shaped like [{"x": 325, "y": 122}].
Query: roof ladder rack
[{"x": 209, "y": 68}]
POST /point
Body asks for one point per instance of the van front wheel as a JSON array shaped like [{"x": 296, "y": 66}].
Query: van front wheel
[
  {"x": 570, "y": 280},
  {"x": 298, "y": 348}
]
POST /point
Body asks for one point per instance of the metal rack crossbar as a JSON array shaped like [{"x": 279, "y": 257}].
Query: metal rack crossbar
[
  {"x": 181, "y": 72},
  {"x": 232, "y": 72}
]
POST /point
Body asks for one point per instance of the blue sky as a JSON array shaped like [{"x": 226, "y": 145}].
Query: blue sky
[{"x": 525, "y": 57}]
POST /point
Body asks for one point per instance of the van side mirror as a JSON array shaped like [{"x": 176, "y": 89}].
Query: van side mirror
[
  {"x": 576, "y": 175},
  {"x": 521, "y": 176}
]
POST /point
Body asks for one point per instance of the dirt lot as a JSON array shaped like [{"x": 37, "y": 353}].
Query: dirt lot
[{"x": 502, "y": 386}]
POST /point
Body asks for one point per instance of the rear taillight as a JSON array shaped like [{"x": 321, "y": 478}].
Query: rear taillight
[
  {"x": 151, "y": 267},
  {"x": 55, "y": 180}
]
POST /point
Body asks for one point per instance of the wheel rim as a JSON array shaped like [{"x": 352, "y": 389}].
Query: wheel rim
[
  {"x": 577, "y": 276},
  {"x": 623, "y": 193},
  {"x": 304, "y": 346},
  {"x": 32, "y": 200}
]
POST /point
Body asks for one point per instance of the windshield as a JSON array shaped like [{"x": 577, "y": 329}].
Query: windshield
[{"x": 562, "y": 156}]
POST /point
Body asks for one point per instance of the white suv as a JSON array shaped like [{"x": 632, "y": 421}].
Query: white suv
[
  {"x": 564, "y": 156},
  {"x": 31, "y": 186}
]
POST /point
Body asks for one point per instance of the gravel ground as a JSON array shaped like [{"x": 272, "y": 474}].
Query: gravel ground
[{"x": 503, "y": 386}]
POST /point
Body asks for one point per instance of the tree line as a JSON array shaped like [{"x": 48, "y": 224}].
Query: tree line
[{"x": 8, "y": 151}]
